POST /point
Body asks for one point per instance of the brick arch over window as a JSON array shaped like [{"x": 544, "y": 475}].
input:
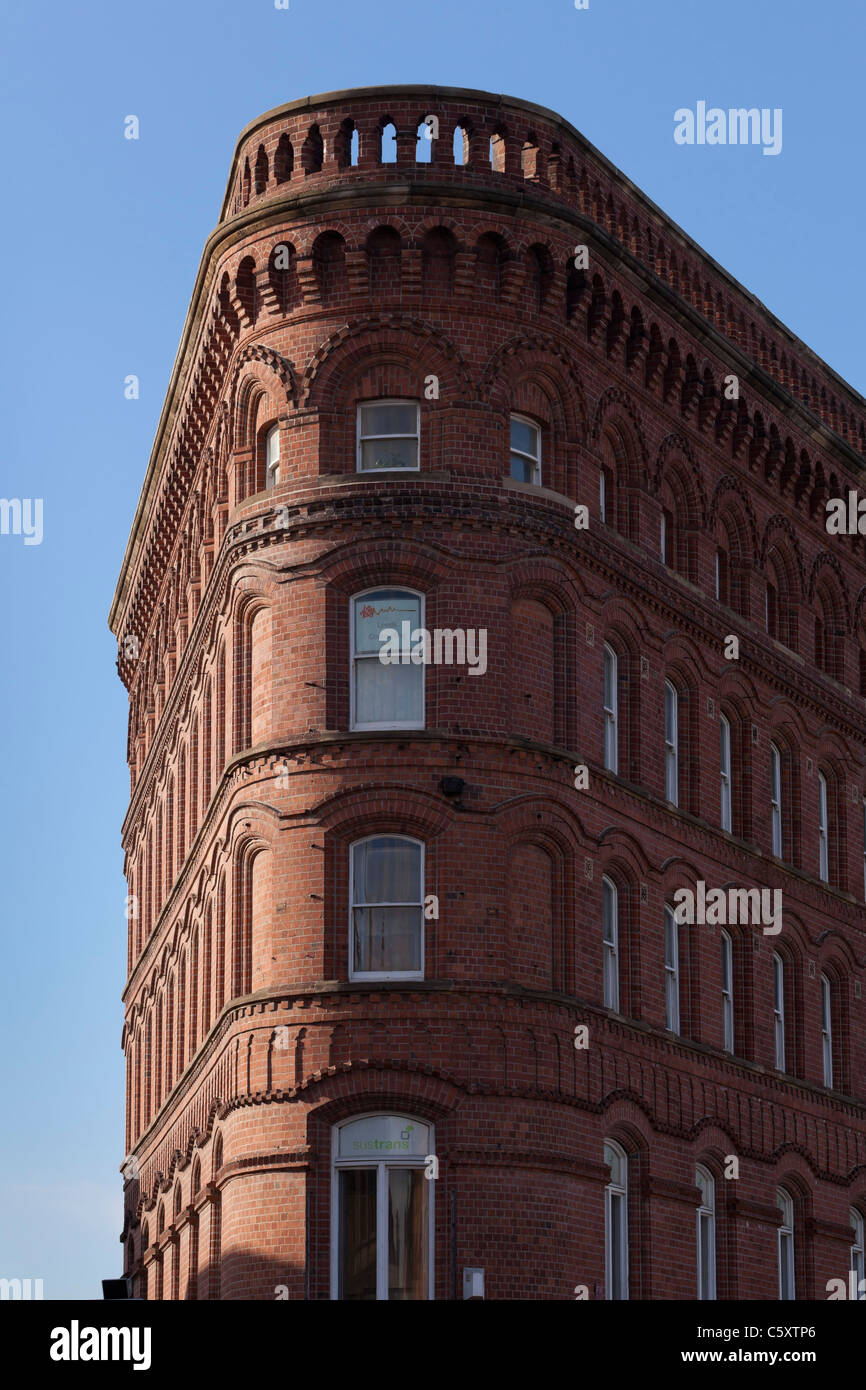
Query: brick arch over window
[
  {"x": 251, "y": 688},
  {"x": 251, "y": 869},
  {"x": 395, "y": 564},
  {"x": 784, "y": 576},
  {"x": 832, "y": 768},
  {"x": 786, "y": 737},
  {"x": 622, "y": 870},
  {"x": 793, "y": 947},
  {"x": 368, "y": 360},
  {"x": 630, "y": 1138},
  {"x": 684, "y": 671},
  {"x": 736, "y": 701},
  {"x": 734, "y": 530},
  {"x": 352, "y": 816},
  {"x": 535, "y": 356},
  {"x": 682, "y": 514},
  {"x": 830, "y": 603},
  {"x": 538, "y": 681},
  {"x": 799, "y": 1183},
  {"x": 622, "y": 629}
]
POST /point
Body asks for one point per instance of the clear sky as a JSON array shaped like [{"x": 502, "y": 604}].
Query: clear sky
[{"x": 101, "y": 243}]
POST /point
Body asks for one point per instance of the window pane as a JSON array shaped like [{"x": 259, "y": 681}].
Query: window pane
[
  {"x": 609, "y": 682},
  {"x": 358, "y": 1233},
  {"x": 523, "y": 469},
  {"x": 407, "y": 1233},
  {"x": 388, "y": 453},
  {"x": 387, "y": 939},
  {"x": 670, "y": 714},
  {"x": 389, "y": 419},
  {"x": 708, "y": 1273},
  {"x": 524, "y": 437},
  {"x": 383, "y": 609},
  {"x": 387, "y": 870},
  {"x": 614, "y": 1160},
  {"x": 617, "y": 1246},
  {"x": 388, "y": 694}
]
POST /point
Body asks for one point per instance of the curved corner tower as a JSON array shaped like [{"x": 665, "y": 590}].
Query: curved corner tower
[{"x": 406, "y": 1013}]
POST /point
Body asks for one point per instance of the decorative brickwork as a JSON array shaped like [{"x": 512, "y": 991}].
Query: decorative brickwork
[{"x": 337, "y": 276}]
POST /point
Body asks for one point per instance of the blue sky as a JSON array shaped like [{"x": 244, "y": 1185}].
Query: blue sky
[{"x": 101, "y": 242}]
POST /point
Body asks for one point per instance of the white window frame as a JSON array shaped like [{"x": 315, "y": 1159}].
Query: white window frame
[
  {"x": 355, "y": 657},
  {"x": 610, "y": 943},
  {"x": 602, "y": 497},
  {"x": 785, "y": 1203},
  {"x": 858, "y": 1250},
  {"x": 706, "y": 1227},
  {"x": 672, "y": 971},
  {"x": 611, "y": 712},
  {"x": 727, "y": 992},
  {"x": 672, "y": 744},
  {"x": 359, "y": 438},
  {"x": 381, "y": 1165},
  {"x": 779, "y": 1011},
  {"x": 664, "y": 537},
  {"x": 535, "y": 460},
  {"x": 827, "y": 1031},
  {"x": 726, "y": 807},
  {"x": 776, "y": 799},
  {"x": 272, "y": 462},
  {"x": 823, "y": 831},
  {"x": 385, "y": 974},
  {"x": 616, "y": 1192}
]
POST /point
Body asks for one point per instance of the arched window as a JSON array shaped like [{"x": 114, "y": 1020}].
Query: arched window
[
  {"x": 672, "y": 776},
  {"x": 605, "y": 495},
  {"x": 780, "y": 612},
  {"x": 827, "y": 1031},
  {"x": 616, "y": 1222},
  {"x": 388, "y": 436},
  {"x": 858, "y": 1253},
  {"x": 388, "y": 144},
  {"x": 387, "y": 669},
  {"x": 779, "y": 1011},
  {"x": 672, "y": 971},
  {"x": 427, "y": 132},
  {"x": 706, "y": 1233},
  {"x": 382, "y": 1209},
  {"x": 785, "y": 1203},
  {"x": 829, "y": 629},
  {"x": 610, "y": 943},
  {"x": 386, "y": 921},
  {"x": 823, "y": 830},
  {"x": 525, "y": 450},
  {"x": 272, "y": 457},
  {"x": 723, "y": 588},
  {"x": 727, "y": 992},
  {"x": 611, "y": 710},
  {"x": 725, "y": 773},
  {"x": 776, "y": 799}
]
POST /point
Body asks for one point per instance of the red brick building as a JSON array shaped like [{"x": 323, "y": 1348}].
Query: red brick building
[{"x": 407, "y": 994}]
